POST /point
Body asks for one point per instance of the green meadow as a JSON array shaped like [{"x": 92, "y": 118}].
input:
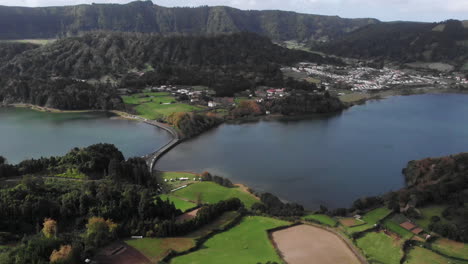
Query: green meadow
[
  {"x": 157, "y": 105},
  {"x": 371, "y": 218},
  {"x": 210, "y": 192},
  {"x": 380, "y": 248},
  {"x": 397, "y": 229},
  {"x": 323, "y": 219},
  {"x": 245, "y": 243},
  {"x": 178, "y": 203},
  {"x": 419, "y": 255}
]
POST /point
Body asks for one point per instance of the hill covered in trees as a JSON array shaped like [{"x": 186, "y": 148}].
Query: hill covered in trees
[
  {"x": 57, "y": 75},
  {"x": 430, "y": 182},
  {"x": 143, "y": 16},
  {"x": 406, "y": 42}
]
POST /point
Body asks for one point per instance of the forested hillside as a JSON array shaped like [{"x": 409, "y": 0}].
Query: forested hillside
[
  {"x": 143, "y": 16},
  {"x": 8, "y": 50},
  {"x": 55, "y": 75},
  {"x": 406, "y": 42}
]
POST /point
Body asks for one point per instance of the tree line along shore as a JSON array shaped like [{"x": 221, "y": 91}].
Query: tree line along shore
[{"x": 71, "y": 208}]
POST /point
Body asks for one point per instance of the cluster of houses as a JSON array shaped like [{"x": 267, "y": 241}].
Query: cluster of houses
[
  {"x": 366, "y": 78},
  {"x": 269, "y": 93},
  {"x": 183, "y": 179}
]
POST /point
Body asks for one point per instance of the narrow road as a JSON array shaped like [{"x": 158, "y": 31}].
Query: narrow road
[{"x": 152, "y": 158}]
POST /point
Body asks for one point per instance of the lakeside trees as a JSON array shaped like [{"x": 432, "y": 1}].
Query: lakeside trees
[{"x": 191, "y": 124}]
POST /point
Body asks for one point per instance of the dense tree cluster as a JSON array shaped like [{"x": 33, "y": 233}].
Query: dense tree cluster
[
  {"x": 204, "y": 216},
  {"x": 8, "y": 50},
  {"x": 405, "y": 42},
  {"x": 247, "y": 108},
  {"x": 206, "y": 176},
  {"x": 69, "y": 73},
  {"x": 367, "y": 203},
  {"x": 143, "y": 16},
  {"x": 305, "y": 103},
  {"x": 96, "y": 162},
  {"x": 435, "y": 181},
  {"x": 62, "y": 93},
  {"x": 132, "y": 206},
  {"x": 272, "y": 205},
  {"x": 191, "y": 124}
]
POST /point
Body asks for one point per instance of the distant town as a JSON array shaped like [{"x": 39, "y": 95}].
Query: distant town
[{"x": 361, "y": 78}]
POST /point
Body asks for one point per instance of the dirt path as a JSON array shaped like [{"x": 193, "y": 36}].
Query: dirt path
[
  {"x": 187, "y": 216},
  {"x": 305, "y": 244},
  {"x": 120, "y": 253}
]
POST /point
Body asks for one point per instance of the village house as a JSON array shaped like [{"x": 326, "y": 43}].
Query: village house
[{"x": 225, "y": 101}]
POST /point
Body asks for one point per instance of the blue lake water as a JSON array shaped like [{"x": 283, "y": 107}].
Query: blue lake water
[
  {"x": 25, "y": 133},
  {"x": 331, "y": 160}
]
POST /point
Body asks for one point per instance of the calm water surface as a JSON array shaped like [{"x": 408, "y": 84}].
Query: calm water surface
[
  {"x": 334, "y": 160},
  {"x": 25, "y": 133}
]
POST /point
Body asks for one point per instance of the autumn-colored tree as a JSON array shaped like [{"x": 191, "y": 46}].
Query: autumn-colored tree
[
  {"x": 99, "y": 231},
  {"x": 50, "y": 228},
  {"x": 98, "y": 224},
  {"x": 61, "y": 255},
  {"x": 176, "y": 118},
  {"x": 248, "y": 107},
  {"x": 206, "y": 176}
]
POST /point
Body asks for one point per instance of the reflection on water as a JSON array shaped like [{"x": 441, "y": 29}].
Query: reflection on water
[
  {"x": 25, "y": 133},
  {"x": 331, "y": 160}
]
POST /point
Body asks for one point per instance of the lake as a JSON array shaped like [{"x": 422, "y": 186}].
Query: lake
[
  {"x": 331, "y": 160},
  {"x": 26, "y": 133}
]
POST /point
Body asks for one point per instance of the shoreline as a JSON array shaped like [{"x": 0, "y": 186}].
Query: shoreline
[
  {"x": 385, "y": 94},
  {"x": 153, "y": 157}
]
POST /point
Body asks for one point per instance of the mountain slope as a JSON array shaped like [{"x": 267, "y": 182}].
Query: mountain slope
[
  {"x": 406, "y": 42},
  {"x": 52, "y": 22},
  {"x": 55, "y": 74},
  {"x": 96, "y": 54}
]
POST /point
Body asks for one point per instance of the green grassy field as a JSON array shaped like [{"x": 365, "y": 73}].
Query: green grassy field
[
  {"x": 371, "y": 218},
  {"x": 219, "y": 224},
  {"x": 157, "y": 248},
  {"x": 451, "y": 248},
  {"x": 323, "y": 219},
  {"x": 72, "y": 173},
  {"x": 174, "y": 175},
  {"x": 32, "y": 41},
  {"x": 152, "y": 105},
  {"x": 380, "y": 248},
  {"x": 427, "y": 213},
  {"x": 145, "y": 97},
  {"x": 179, "y": 203},
  {"x": 397, "y": 229},
  {"x": 420, "y": 255},
  {"x": 212, "y": 193},
  {"x": 245, "y": 243}
]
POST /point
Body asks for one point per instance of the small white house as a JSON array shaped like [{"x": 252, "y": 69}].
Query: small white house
[{"x": 212, "y": 104}]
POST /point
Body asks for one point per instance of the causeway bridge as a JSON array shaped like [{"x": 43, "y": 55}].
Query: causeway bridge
[{"x": 152, "y": 158}]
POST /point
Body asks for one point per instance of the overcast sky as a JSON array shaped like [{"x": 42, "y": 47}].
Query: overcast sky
[{"x": 386, "y": 10}]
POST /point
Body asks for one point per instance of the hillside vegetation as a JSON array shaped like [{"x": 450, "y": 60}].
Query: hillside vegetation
[
  {"x": 406, "y": 42},
  {"x": 143, "y": 16},
  {"x": 69, "y": 73}
]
